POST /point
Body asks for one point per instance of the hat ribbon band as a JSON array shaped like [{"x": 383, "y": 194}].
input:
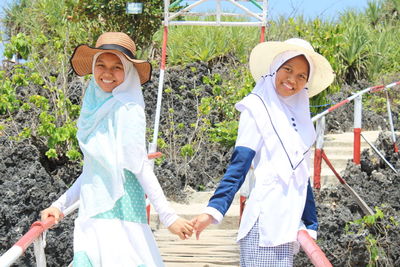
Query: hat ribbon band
[{"x": 117, "y": 47}]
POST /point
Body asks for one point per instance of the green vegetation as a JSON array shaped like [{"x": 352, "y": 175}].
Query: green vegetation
[
  {"x": 375, "y": 230},
  {"x": 360, "y": 46},
  {"x": 45, "y": 33}
]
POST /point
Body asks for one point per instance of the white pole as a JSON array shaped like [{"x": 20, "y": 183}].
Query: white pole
[
  {"x": 153, "y": 145},
  {"x": 10, "y": 256},
  {"x": 358, "y": 112},
  {"x": 390, "y": 118},
  {"x": 38, "y": 247},
  {"x": 320, "y": 133},
  {"x": 264, "y": 12},
  {"x": 218, "y": 12}
]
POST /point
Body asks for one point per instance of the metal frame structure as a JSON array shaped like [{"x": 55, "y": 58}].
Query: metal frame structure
[{"x": 170, "y": 18}]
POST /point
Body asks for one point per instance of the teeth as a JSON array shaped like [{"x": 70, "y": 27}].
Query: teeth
[
  {"x": 289, "y": 87},
  {"x": 107, "y": 81}
]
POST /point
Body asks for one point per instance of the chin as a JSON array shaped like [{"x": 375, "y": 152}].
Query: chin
[{"x": 107, "y": 90}]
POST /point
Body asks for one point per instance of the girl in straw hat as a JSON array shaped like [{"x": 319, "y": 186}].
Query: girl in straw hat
[
  {"x": 111, "y": 228},
  {"x": 275, "y": 135}
]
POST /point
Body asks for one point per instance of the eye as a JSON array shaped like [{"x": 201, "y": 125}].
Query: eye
[
  {"x": 118, "y": 68},
  {"x": 286, "y": 68},
  {"x": 303, "y": 77}
]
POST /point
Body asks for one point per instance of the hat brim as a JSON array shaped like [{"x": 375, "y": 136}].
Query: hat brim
[
  {"x": 82, "y": 62},
  {"x": 263, "y": 54}
]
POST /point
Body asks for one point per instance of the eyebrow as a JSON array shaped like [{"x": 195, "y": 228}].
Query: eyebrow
[
  {"x": 102, "y": 61},
  {"x": 288, "y": 64}
]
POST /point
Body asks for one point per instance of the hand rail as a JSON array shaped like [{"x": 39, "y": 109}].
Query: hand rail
[
  {"x": 36, "y": 229},
  {"x": 313, "y": 251},
  {"x": 371, "y": 89},
  {"x": 39, "y": 227}
]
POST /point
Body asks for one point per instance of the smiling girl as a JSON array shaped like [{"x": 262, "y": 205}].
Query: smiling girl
[
  {"x": 111, "y": 228},
  {"x": 275, "y": 136}
]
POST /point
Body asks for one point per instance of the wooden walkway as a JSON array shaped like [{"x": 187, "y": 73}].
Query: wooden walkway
[{"x": 215, "y": 248}]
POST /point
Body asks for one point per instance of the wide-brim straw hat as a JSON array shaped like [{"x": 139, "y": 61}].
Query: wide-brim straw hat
[
  {"x": 263, "y": 55},
  {"x": 117, "y": 42}
]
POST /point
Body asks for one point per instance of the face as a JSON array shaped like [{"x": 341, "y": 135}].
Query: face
[
  {"x": 292, "y": 76},
  {"x": 108, "y": 71}
]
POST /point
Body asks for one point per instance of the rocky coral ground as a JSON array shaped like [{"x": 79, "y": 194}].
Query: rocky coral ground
[
  {"x": 30, "y": 182},
  {"x": 345, "y": 235}
]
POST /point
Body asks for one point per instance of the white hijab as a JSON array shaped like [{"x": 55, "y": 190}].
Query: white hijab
[
  {"x": 273, "y": 115},
  {"x": 298, "y": 105}
]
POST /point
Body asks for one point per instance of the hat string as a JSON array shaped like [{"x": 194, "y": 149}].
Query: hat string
[{"x": 119, "y": 48}]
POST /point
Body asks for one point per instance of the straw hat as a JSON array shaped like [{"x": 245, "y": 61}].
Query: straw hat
[
  {"x": 263, "y": 55},
  {"x": 82, "y": 58}
]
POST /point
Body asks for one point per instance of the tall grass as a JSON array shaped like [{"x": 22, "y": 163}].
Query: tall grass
[{"x": 205, "y": 43}]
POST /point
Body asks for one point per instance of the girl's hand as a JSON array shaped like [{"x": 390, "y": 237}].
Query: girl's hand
[
  {"x": 52, "y": 211},
  {"x": 201, "y": 222},
  {"x": 182, "y": 227}
]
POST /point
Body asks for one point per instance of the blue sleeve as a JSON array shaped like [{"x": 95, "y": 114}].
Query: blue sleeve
[
  {"x": 309, "y": 216},
  {"x": 232, "y": 179}
]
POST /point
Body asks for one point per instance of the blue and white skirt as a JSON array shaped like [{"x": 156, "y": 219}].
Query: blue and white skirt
[{"x": 252, "y": 255}]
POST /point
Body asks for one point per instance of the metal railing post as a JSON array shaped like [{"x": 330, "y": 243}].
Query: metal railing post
[
  {"x": 264, "y": 21},
  {"x": 357, "y": 129},
  {"x": 318, "y": 152},
  {"x": 389, "y": 111}
]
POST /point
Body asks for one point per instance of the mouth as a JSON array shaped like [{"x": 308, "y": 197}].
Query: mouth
[
  {"x": 287, "y": 86},
  {"x": 107, "y": 81}
]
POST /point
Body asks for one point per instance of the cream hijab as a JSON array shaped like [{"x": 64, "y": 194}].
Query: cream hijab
[{"x": 273, "y": 115}]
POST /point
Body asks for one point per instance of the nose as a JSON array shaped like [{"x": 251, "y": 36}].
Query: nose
[
  {"x": 107, "y": 72},
  {"x": 291, "y": 79}
]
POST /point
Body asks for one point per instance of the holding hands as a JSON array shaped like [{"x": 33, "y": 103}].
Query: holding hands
[
  {"x": 182, "y": 228},
  {"x": 201, "y": 222}
]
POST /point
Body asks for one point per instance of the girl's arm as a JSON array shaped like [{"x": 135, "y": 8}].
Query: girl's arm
[
  {"x": 247, "y": 143},
  {"x": 231, "y": 182},
  {"x": 58, "y": 207},
  {"x": 154, "y": 192},
  {"x": 149, "y": 182},
  {"x": 131, "y": 127},
  {"x": 69, "y": 197}
]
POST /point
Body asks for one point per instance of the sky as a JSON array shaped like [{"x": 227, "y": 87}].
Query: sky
[{"x": 310, "y": 9}]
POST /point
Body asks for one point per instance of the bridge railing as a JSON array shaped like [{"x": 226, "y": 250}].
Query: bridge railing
[{"x": 320, "y": 128}]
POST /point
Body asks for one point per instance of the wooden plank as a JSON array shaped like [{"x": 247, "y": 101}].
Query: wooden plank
[{"x": 215, "y": 248}]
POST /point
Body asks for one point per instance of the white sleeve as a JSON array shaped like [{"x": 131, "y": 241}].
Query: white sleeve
[
  {"x": 217, "y": 216},
  {"x": 69, "y": 197},
  {"x": 248, "y": 134},
  {"x": 154, "y": 192}
]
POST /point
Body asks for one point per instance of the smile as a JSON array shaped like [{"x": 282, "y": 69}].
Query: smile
[
  {"x": 288, "y": 86},
  {"x": 107, "y": 81}
]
